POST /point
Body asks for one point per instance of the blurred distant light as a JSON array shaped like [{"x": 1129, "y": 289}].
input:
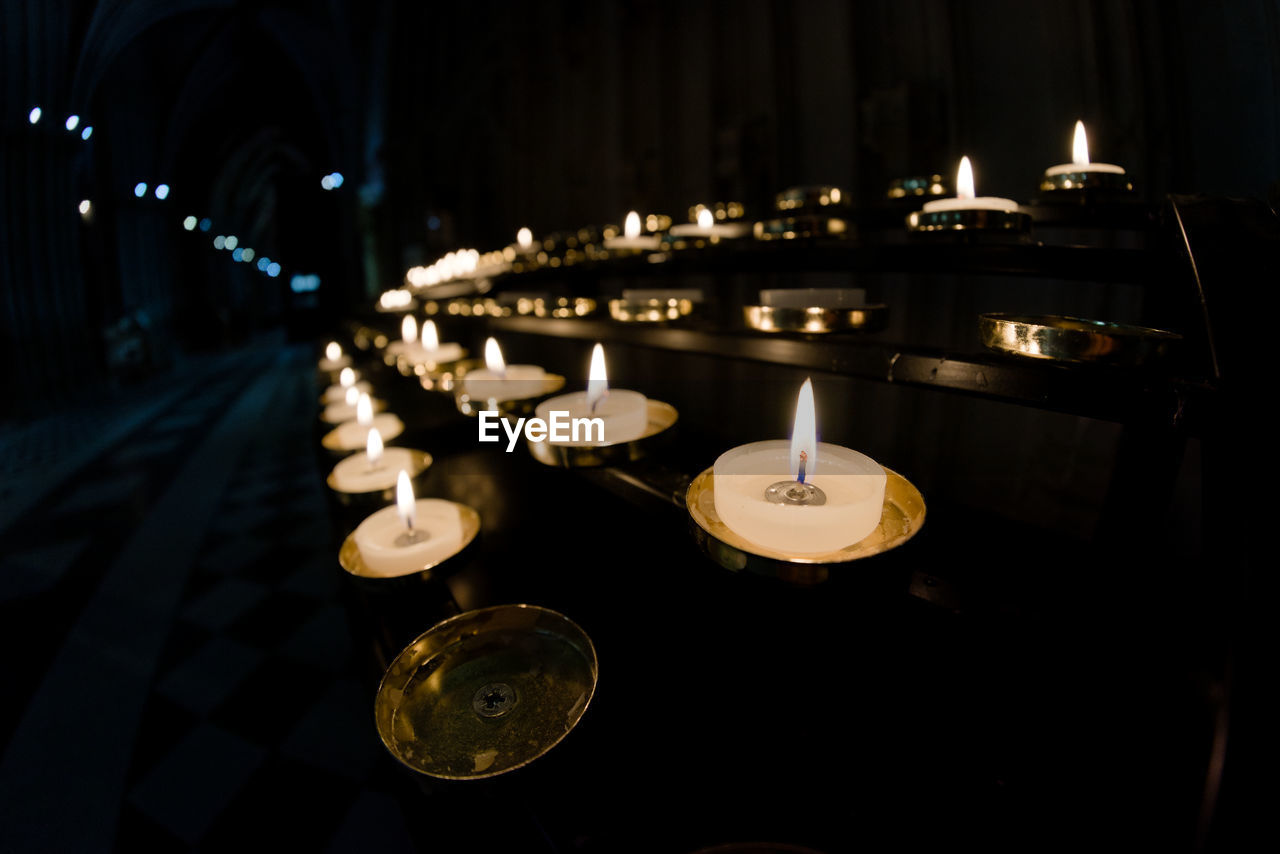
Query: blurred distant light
[
  {"x": 189, "y": 223},
  {"x": 336, "y": 179},
  {"x": 73, "y": 121},
  {"x": 206, "y": 224},
  {"x": 87, "y": 132},
  {"x": 34, "y": 115},
  {"x": 162, "y": 191},
  {"x": 140, "y": 189},
  {"x": 327, "y": 182},
  {"x": 433, "y": 222},
  {"x": 232, "y": 241},
  {"x": 85, "y": 207},
  {"x": 263, "y": 263},
  {"x": 219, "y": 242},
  {"x": 237, "y": 255},
  {"x": 303, "y": 283},
  {"x": 246, "y": 255},
  {"x": 273, "y": 269}
]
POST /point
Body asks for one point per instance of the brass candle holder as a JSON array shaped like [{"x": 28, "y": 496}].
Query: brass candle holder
[
  {"x": 969, "y": 220},
  {"x": 469, "y": 404},
  {"x": 653, "y": 310},
  {"x": 486, "y": 692},
  {"x": 350, "y": 560},
  {"x": 1075, "y": 339},
  {"x": 900, "y": 519},
  {"x": 447, "y": 378},
  {"x": 808, "y": 212},
  {"x": 662, "y": 416},
  {"x": 373, "y": 499},
  {"x": 388, "y": 424},
  {"x": 815, "y": 319}
]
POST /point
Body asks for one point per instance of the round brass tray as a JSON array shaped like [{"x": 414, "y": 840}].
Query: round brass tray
[
  {"x": 349, "y": 554},
  {"x": 469, "y": 405},
  {"x": 815, "y": 319},
  {"x": 793, "y": 227},
  {"x": 652, "y": 310},
  {"x": 1074, "y": 339},
  {"x": 973, "y": 219},
  {"x": 901, "y": 518},
  {"x": 661, "y": 417},
  {"x": 486, "y": 692},
  {"x": 1071, "y": 183}
]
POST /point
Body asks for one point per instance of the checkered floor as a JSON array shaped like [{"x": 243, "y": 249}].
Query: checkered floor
[{"x": 178, "y": 671}]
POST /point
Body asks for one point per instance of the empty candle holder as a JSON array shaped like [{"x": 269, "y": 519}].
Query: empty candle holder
[
  {"x": 1075, "y": 339},
  {"x": 486, "y": 692},
  {"x": 815, "y": 319},
  {"x": 661, "y": 417},
  {"x": 901, "y": 517}
]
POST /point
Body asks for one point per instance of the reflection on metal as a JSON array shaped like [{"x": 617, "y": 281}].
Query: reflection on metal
[
  {"x": 1074, "y": 339},
  {"x": 486, "y": 692},
  {"x": 969, "y": 219},
  {"x": 815, "y": 320}
]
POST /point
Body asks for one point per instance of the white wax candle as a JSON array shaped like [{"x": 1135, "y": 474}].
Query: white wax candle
[
  {"x": 631, "y": 238},
  {"x": 854, "y": 485},
  {"x": 806, "y": 297},
  {"x": 515, "y": 382},
  {"x": 446, "y": 352},
  {"x": 725, "y": 230},
  {"x": 337, "y": 364},
  {"x": 355, "y": 474},
  {"x": 625, "y": 414},
  {"x": 352, "y": 435},
  {"x": 376, "y": 538},
  {"x": 1080, "y": 158},
  {"x": 338, "y": 393},
  {"x": 966, "y": 197},
  {"x": 336, "y": 413}
]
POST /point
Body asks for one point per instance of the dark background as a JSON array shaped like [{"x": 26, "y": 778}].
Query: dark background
[{"x": 1059, "y": 687}]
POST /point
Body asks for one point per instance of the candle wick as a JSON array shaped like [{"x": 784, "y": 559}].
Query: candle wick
[{"x": 803, "y": 456}]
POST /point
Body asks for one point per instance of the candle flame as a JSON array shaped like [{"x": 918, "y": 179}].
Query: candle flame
[
  {"x": 353, "y": 395},
  {"x": 364, "y": 411},
  {"x": 430, "y": 338},
  {"x": 404, "y": 498},
  {"x": 409, "y": 329},
  {"x": 346, "y": 378},
  {"x": 597, "y": 378},
  {"x": 333, "y": 351},
  {"x": 631, "y": 228},
  {"x": 493, "y": 357},
  {"x": 373, "y": 446},
  {"x": 1080, "y": 146},
  {"x": 525, "y": 238},
  {"x": 964, "y": 180},
  {"x": 706, "y": 218},
  {"x": 804, "y": 436}
]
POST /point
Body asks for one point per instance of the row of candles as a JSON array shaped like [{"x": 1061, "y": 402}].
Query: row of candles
[
  {"x": 712, "y": 224},
  {"x": 796, "y": 497}
]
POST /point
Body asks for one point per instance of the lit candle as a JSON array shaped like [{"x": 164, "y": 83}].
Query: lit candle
[
  {"x": 499, "y": 381},
  {"x": 353, "y": 435},
  {"x": 706, "y": 226},
  {"x": 1080, "y": 158},
  {"x": 408, "y": 330},
  {"x": 334, "y": 359},
  {"x": 966, "y": 198},
  {"x": 347, "y": 409},
  {"x": 411, "y": 535},
  {"x": 828, "y": 497},
  {"x": 346, "y": 380},
  {"x": 429, "y": 349},
  {"x": 524, "y": 239},
  {"x": 373, "y": 469},
  {"x": 624, "y": 414},
  {"x": 632, "y": 239}
]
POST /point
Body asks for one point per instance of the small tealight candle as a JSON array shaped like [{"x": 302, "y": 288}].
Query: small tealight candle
[
  {"x": 1080, "y": 158},
  {"x": 706, "y": 226},
  {"x": 410, "y": 536},
  {"x": 346, "y": 380},
  {"x": 428, "y": 349},
  {"x": 353, "y": 435},
  {"x": 334, "y": 359},
  {"x": 524, "y": 240},
  {"x": 829, "y": 497},
  {"x": 966, "y": 198},
  {"x": 373, "y": 469},
  {"x": 625, "y": 414},
  {"x": 632, "y": 239},
  {"x": 499, "y": 381},
  {"x": 345, "y": 410}
]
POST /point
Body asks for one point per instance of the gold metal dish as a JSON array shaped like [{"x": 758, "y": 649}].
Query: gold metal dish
[
  {"x": 661, "y": 417},
  {"x": 969, "y": 219},
  {"x": 1084, "y": 182},
  {"x": 1074, "y": 339},
  {"x": 901, "y": 518},
  {"x": 652, "y": 310},
  {"x": 815, "y": 320},
  {"x": 420, "y": 461},
  {"x": 486, "y": 692}
]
